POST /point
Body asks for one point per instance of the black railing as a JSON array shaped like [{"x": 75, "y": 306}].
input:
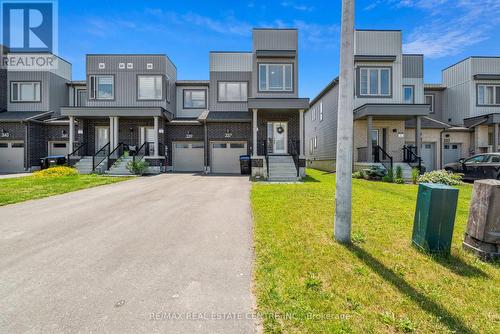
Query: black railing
[
  {"x": 411, "y": 158},
  {"x": 381, "y": 156},
  {"x": 116, "y": 154},
  {"x": 100, "y": 156},
  {"x": 141, "y": 152},
  {"x": 77, "y": 154},
  {"x": 293, "y": 151}
]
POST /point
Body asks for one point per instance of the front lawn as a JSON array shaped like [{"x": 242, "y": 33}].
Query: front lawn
[
  {"x": 305, "y": 282},
  {"x": 30, "y": 187}
]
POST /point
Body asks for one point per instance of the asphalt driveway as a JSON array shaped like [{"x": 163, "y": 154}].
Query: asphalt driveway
[{"x": 169, "y": 254}]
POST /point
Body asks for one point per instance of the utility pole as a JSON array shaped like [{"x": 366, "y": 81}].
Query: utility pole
[{"x": 343, "y": 192}]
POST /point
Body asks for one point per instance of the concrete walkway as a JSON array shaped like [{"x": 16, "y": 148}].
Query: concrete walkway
[
  {"x": 163, "y": 254},
  {"x": 13, "y": 175}
]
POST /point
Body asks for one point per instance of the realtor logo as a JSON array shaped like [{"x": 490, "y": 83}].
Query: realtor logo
[{"x": 29, "y": 26}]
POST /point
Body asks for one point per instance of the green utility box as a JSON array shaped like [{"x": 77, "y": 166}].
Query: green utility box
[{"x": 435, "y": 217}]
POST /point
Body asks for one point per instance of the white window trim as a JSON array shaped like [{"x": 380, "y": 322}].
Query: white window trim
[
  {"x": 93, "y": 91},
  {"x": 321, "y": 111},
  {"x": 241, "y": 83},
  {"x": 485, "y": 103},
  {"x": 432, "y": 104},
  {"x": 19, "y": 83},
  {"x": 268, "y": 89},
  {"x": 149, "y": 76},
  {"x": 379, "y": 75}
]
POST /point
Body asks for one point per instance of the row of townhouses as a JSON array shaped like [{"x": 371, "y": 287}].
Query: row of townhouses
[
  {"x": 401, "y": 121},
  {"x": 133, "y": 106}
]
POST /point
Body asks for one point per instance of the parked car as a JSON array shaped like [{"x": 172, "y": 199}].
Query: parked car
[{"x": 481, "y": 166}]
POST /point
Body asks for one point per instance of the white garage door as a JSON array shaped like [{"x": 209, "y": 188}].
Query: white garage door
[
  {"x": 58, "y": 148},
  {"x": 428, "y": 154},
  {"x": 188, "y": 157},
  {"x": 11, "y": 156},
  {"x": 451, "y": 153},
  {"x": 226, "y": 156}
]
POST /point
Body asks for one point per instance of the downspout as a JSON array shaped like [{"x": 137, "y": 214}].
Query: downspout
[
  {"x": 205, "y": 130},
  {"x": 441, "y": 146}
]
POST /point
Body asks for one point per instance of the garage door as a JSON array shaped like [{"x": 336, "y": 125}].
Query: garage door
[
  {"x": 226, "y": 156},
  {"x": 11, "y": 156},
  {"x": 451, "y": 153},
  {"x": 428, "y": 154},
  {"x": 188, "y": 157},
  {"x": 58, "y": 148}
]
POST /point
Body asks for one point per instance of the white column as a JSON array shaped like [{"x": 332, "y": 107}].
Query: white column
[
  {"x": 369, "y": 145},
  {"x": 71, "y": 134},
  {"x": 156, "y": 146},
  {"x": 301, "y": 129},
  {"x": 496, "y": 147},
  {"x": 116, "y": 133},
  {"x": 255, "y": 129},
  {"x": 111, "y": 132},
  {"x": 418, "y": 135}
]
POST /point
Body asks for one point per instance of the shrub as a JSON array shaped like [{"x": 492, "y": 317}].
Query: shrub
[
  {"x": 415, "y": 174},
  {"x": 389, "y": 177},
  {"x": 442, "y": 177},
  {"x": 57, "y": 171},
  {"x": 357, "y": 175},
  {"x": 399, "y": 172},
  {"x": 399, "y": 180},
  {"x": 137, "y": 167},
  {"x": 374, "y": 173}
]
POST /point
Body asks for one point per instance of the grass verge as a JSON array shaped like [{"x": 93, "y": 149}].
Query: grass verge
[
  {"x": 21, "y": 189},
  {"x": 305, "y": 282}
]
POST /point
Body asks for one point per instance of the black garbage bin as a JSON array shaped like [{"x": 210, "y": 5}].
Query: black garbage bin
[
  {"x": 53, "y": 160},
  {"x": 245, "y": 164}
]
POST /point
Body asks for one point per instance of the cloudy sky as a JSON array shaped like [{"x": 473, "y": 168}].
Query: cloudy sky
[{"x": 445, "y": 31}]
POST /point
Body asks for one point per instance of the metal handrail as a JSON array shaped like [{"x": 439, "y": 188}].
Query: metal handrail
[
  {"x": 137, "y": 154},
  {"x": 411, "y": 157},
  {"x": 74, "y": 152},
  {"x": 94, "y": 165},
  {"x": 120, "y": 146},
  {"x": 377, "y": 151}
]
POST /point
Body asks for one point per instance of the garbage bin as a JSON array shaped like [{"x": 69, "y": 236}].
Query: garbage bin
[
  {"x": 54, "y": 160},
  {"x": 435, "y": 217},
  {"x": 245, "y": 164}
]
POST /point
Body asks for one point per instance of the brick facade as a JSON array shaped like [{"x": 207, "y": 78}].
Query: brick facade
[{"x": 291, "y": 117}]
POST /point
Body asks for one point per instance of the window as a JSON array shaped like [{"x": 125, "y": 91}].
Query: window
[
  {"x": 25, "y": 92},
  {"x": 197, "y": 146},
  {"x": 321, "y": 110},
  {"x": 233, "y": 91},
  {"x": 149, "y": 66},
  {"x": 102, "y": 66},
  {"x": 149, "y": 87},
  {"x": 219, "y": 145},
  {"x": 313, "y": 113},
  {"x": 59, "y": 145},
  {"x": 195, "y": 99},
  {"x": 181, "y": 145},
  {"x": 408, "y": 93},
  {"x": 102, "y": 87},
  {"x": 488, "y": 95},
  {"x": 121, "y": 66},
  {"x": 311, "y": 146},
  {"x": 237, "y": 145},
  {"x": 130, "y": 66},
  {"x": 429, "y": 99},
  {"x": 475, "y": 160},
  {"x": 4, "y": 145},
  {"x": 494, "y": 158},
  {"x": 168, "y": 89},
  {"x": 375, "y": 81},
  {"x": 275, "y": 77},
  {"x": 315, "y": 142},
  {"x": 17, "y": 145}
]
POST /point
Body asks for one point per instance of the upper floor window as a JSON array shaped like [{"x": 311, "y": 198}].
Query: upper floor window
[
  {"x": 25, "y": 92},
  {"x": 429, "y": 99},
  {"x": 320, "y": 110},
  {"x": 409, "y": 94},
  {"x": 149, "y": 87},
  {"x": 233, "y": 91},
  {"x": 169, "y": 88},
  {"x": 488, "y": 95},
  {"x": 275, "y": 77},
  {"x": 102, "y": 87},
  {"x": 195, "y": 99},
  {"x": 375, "y": 81}
]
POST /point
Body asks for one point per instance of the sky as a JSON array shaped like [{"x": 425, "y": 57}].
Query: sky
[{"x": 445, "y": 31}]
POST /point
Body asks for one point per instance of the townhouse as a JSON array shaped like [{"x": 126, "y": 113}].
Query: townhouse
[
  {"x": 399, "y": 120},
  {"x": 132, "y": 106}
]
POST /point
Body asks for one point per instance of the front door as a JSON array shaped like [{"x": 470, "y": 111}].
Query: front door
[
  {"x": 101, "y": 137},
  {"x": 279, "y": 136},
  {"x": 147, "y": 135}
]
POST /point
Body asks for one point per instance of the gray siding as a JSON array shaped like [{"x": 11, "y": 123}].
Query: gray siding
[
  {"x": 413, "y": 66},
  {"x": 215, "y": 77},
  {"x": 126, "y": 79},
  {"x": 3, "y": 89},
  {"x": 275, "y": 39},
  {"x": 378, "y": 43},
  {"x": 438, "y": 105},
  {"x": 190, "y": 113},
  {"x": 58, "y": 93},
  {"x": 325, "y": 130},
  {"x": 230, "y": 62},
  {"x": 457, "y": 98}
]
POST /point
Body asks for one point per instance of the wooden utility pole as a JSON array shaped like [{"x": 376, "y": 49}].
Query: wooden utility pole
[{"x": 343, "y": 193}]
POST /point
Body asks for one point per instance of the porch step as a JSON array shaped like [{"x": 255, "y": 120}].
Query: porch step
[
  {"x": 405, "y": 168},
  {"x": 282, "y": 169},
  {"x": 120, "y": 167},
  {"x": 84, "y": 165}
]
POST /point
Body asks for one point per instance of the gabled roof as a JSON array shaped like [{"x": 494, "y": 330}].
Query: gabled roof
[
  {"x": 19, "y": 116},
  {"x": 325, "y": 90}
]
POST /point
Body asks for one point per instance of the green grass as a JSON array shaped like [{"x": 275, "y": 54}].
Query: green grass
[
  {"x": 305, "y": 282},
  {"x": 29, "y": 187}
]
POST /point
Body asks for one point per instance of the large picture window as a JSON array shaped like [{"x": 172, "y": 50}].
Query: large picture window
[
  {"x": 233, "y": 91},
  {"x": 195, "y": 99},
  {"x": 102, "y": 87},
  {"x": 276, "y": 77},
  {"x": 149, "y": 87},
  {"x": 488, "y": 95},
  {"x": 375, "y": 82},
  {"x": 25, "y": 92}
]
